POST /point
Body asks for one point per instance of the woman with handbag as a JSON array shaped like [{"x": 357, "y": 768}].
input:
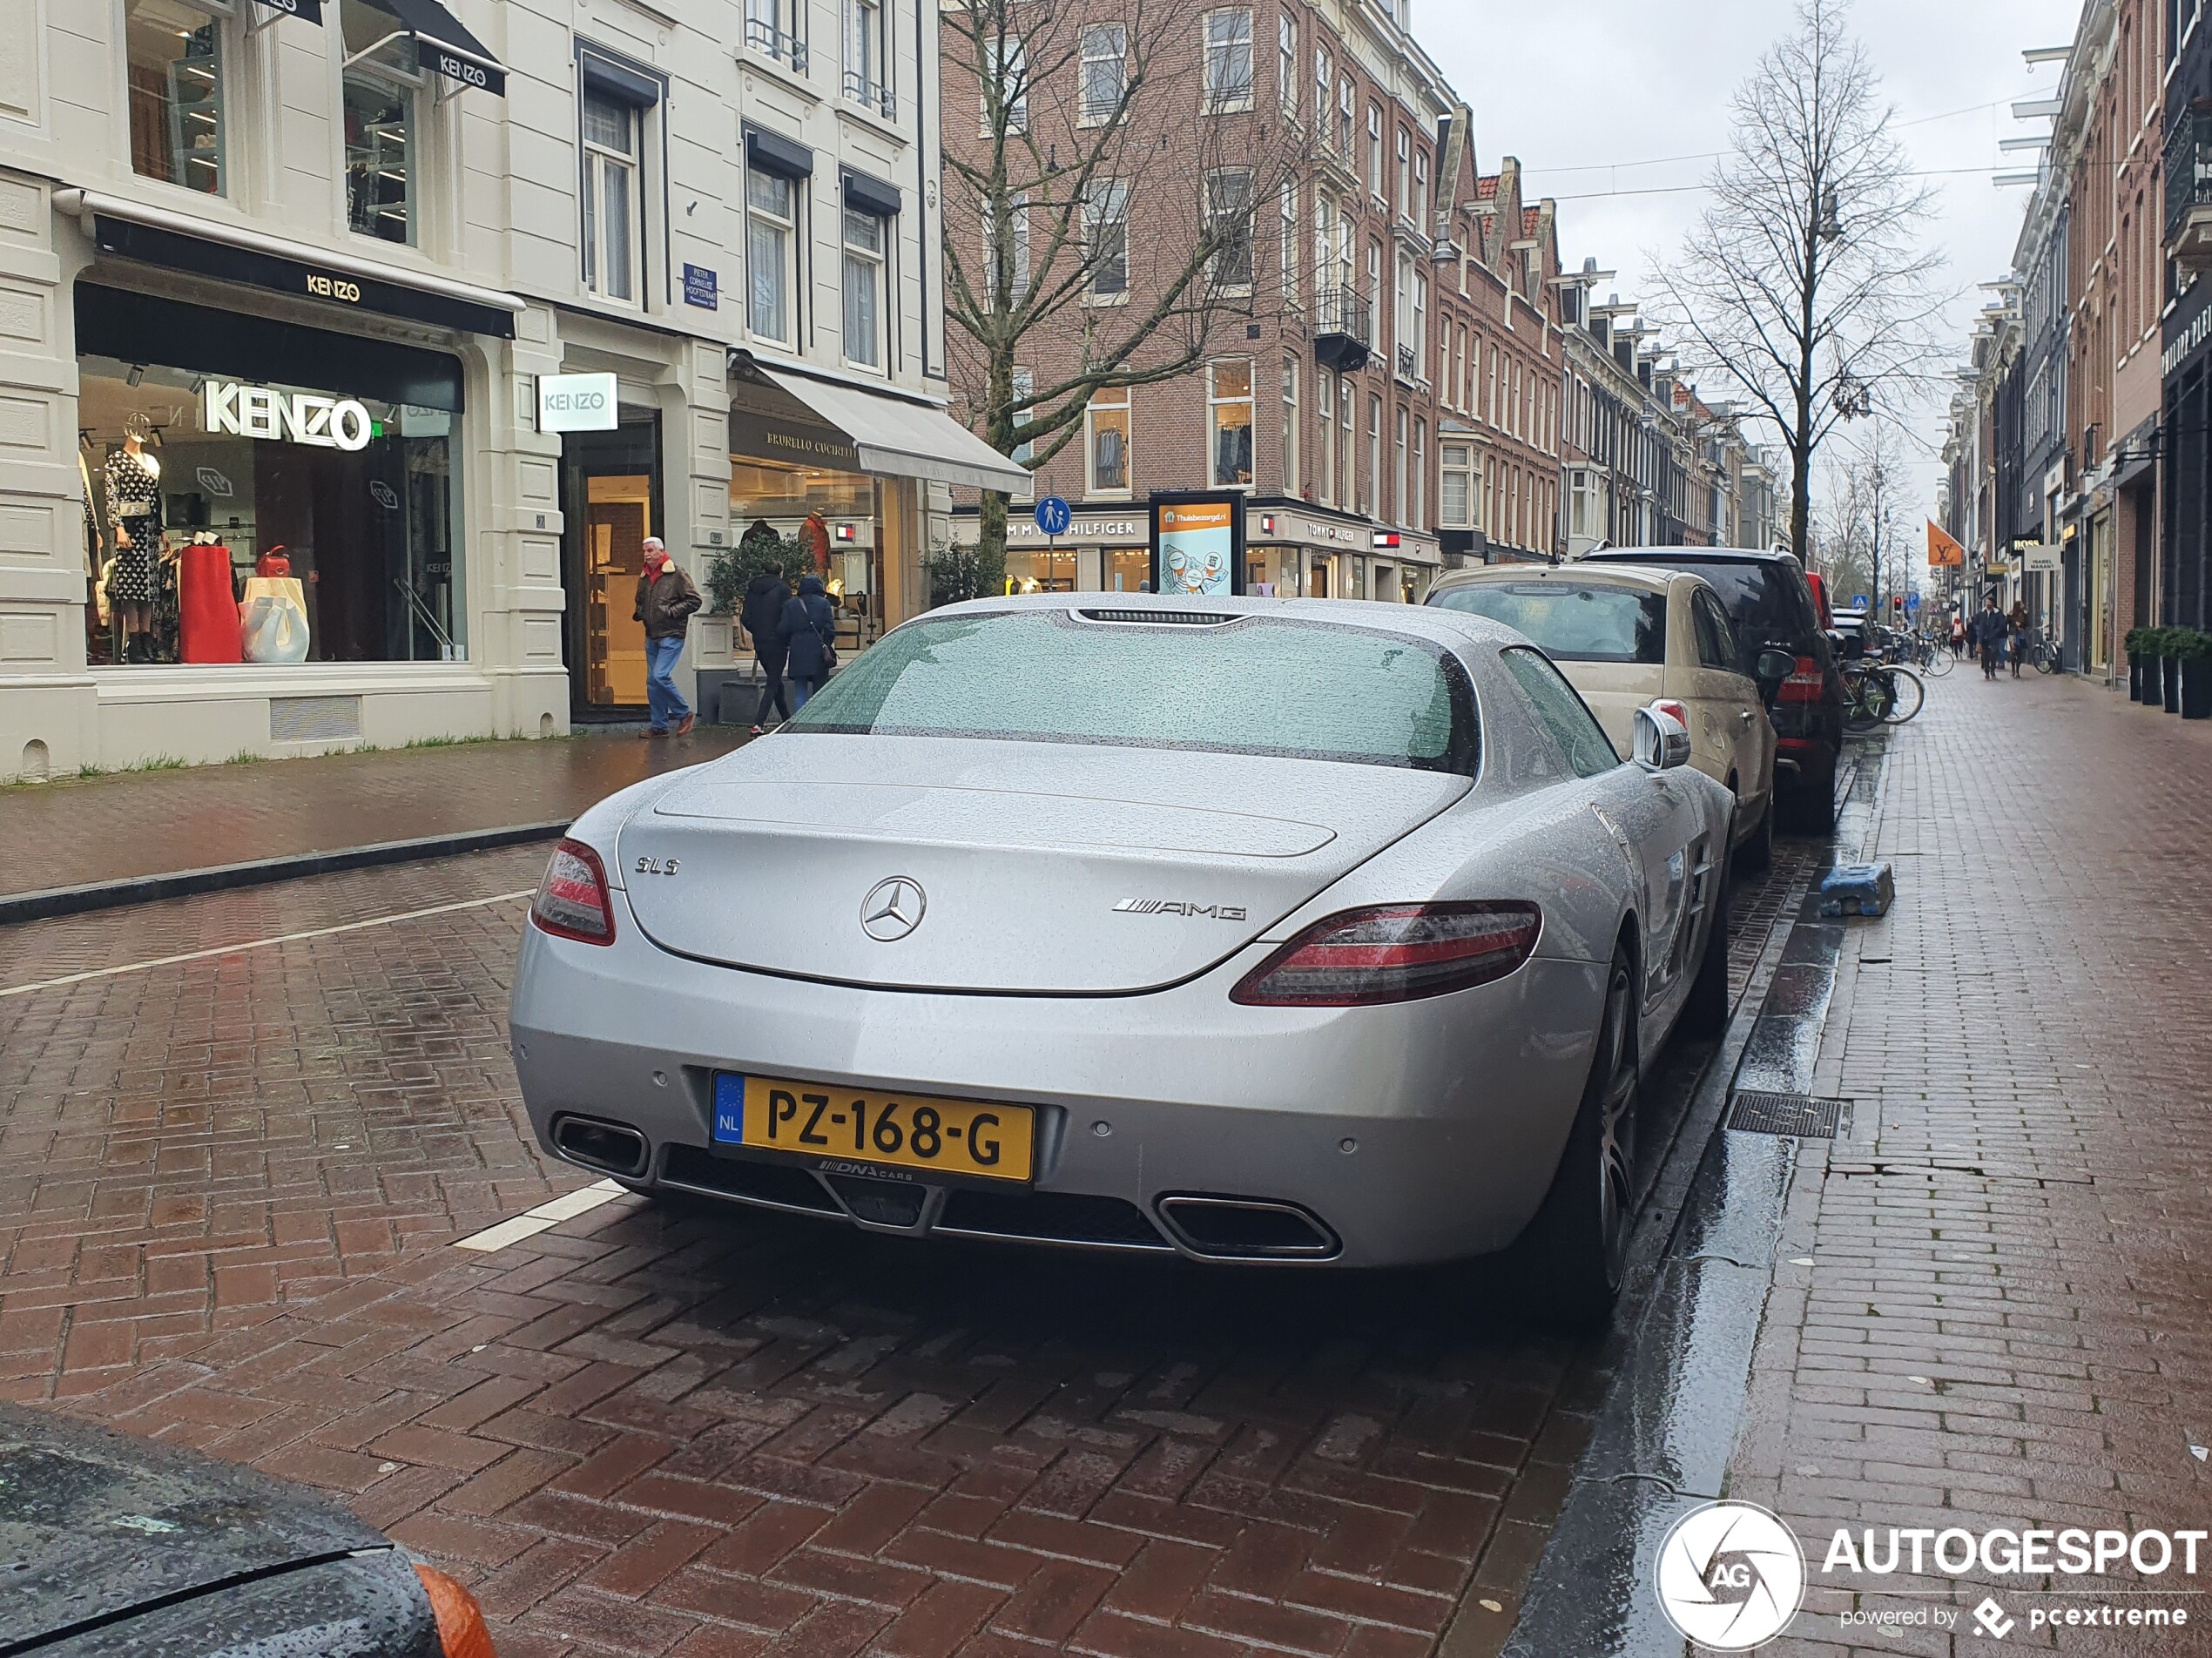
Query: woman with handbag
[{"x": 810, "y": 638}]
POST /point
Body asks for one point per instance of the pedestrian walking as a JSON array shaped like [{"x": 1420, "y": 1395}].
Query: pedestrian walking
[
  {"x": 1957, "y": 636},
  {"x": 763, "y": 616},
  {"x": 810, "y": 639},
  {"x": 1986, "y": 634},
  {"x": 2016, "y": 636},
  {"x": 666, "y": 599}
]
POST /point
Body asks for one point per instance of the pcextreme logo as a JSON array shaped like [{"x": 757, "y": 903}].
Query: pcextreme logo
[{"x": 1730, "y": 1576}]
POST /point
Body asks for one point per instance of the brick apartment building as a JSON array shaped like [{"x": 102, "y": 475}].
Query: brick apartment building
[{"x": 1389, "y": 396}]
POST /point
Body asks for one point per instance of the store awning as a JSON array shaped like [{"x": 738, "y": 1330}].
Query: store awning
[
  {"x": 904, "y": 440},
  {"x": 443, "y": 47}
]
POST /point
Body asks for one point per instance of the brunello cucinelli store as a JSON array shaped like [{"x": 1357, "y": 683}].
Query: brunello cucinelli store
[
  {"x": 275, "y": 501},
  {"x": 840, "y": 473}
]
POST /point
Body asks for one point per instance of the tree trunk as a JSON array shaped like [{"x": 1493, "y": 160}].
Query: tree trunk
[{"x": 990, "y": 528}]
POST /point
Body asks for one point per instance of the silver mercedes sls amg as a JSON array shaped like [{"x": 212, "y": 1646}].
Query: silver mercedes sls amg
[{"x": 1258, "y": 930}]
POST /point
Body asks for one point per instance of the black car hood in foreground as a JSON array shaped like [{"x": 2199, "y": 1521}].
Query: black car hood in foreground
[{"x": 110, "y": 1544}]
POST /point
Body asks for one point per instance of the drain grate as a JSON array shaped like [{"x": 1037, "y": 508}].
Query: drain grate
[{"x": 1798, "y": 1115}]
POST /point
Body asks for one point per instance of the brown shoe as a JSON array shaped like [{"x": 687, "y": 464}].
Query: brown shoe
[
  {"x": 683, "y": 726},
  {"x": 654, "y": 730}
]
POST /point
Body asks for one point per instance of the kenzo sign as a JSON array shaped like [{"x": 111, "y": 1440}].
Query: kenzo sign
[{"x": 298, "y": 417}]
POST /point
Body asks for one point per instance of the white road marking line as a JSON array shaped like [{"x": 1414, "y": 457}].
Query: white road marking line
[
  {"x": 263, "y": 944},
  {"x": 544, "y": 1217}
]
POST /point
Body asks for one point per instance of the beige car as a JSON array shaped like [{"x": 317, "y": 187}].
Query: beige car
[{"x": 1627, "y": 635}]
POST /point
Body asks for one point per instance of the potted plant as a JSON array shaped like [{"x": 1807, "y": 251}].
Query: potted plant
[
  {"x": 2169, "y": 684},
  {"x": 2137, "y": 661},
  {"x": 2195, "y": 651}
]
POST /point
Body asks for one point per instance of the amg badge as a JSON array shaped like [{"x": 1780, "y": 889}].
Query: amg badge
[{"x": 1168, "y": 907}]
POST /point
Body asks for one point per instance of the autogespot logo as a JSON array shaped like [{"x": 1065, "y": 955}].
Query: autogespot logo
[{"x": 1730, "y": 1576}]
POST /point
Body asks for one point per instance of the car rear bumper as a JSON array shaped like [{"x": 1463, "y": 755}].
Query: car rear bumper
[{"x": 1420, "y": 1132}]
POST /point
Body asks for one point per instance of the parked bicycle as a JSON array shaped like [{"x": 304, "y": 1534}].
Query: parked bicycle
[
  {"x": 1881, "y": 693},
  {"x": 2045, "y": 654}
]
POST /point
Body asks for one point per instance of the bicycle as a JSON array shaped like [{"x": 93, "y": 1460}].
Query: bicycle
[
  {"x": 1868, "y": 696},
  {"x": 1935, "y": 659},
  {"x": 2045, "y": 654},
  {"x": 1908, "y": 694}
]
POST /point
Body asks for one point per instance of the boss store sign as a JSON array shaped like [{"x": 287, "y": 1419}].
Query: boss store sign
[{"x": 577, "y": 403}]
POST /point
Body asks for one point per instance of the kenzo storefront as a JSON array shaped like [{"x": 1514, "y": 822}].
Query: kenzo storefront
[{"x": 262, "y": 493}]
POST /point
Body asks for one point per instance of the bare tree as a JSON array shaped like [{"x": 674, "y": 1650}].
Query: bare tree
[
  {"x": 1806, "y": 282},
  {"x": 1861, "y": 541},
  {"x": 1104, "y": 224}
]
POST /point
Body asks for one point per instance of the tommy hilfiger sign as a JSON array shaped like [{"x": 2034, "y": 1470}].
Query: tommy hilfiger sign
[{"x": 301, "y": 417}]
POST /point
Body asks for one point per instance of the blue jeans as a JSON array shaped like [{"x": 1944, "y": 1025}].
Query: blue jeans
[
  {"x": 801, "y": 689},
  {"x": 661, "y": 696}
]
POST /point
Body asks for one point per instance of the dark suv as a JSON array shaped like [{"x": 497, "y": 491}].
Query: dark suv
[{"x": 1773, "y": 609}]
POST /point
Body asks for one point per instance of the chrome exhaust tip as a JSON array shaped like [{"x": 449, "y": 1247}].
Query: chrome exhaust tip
[
  {"x": 611, "y": 1148},
  {"x": 1247, "y": 1229}
]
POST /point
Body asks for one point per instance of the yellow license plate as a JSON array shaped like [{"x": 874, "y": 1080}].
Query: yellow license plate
[{"x": 900, "y": 1130}]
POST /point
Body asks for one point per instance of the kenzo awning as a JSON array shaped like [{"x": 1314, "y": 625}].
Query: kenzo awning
[
  {"x": 904, "y": 440},
  {"x": 308, "y": 10},
  {"x": 443, "y": 46}
]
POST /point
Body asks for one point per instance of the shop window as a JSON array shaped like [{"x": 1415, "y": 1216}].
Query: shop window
[
  {"x": 175, "y": 74},
  {"x": 232, "y": 518},
  {"x": 1229, "y": 224},
  {"x": 610, "y": 196},
  {"x": 1128, "y": 570},
  {"x": 1106, "y": 233},
  {"x": 1229, "y": 60},
  {"x": 864, "y": 245},
  {"x": 1106, "y": 441},
  {"x": 867, "y": 76},
  {"x": 381, "y": 95},
  {"x": 772, "y": 28},
  {"x": 834, "y": 520},
  {"x": 1105, "y": 72},
  {"x": 1040, "y": 569},
  {"x": 1290, "y": 427},
  {"x": 771, "y": 247},
  {"x": 1458, "y": 487},
  {"x": 1228, "y": 417}
]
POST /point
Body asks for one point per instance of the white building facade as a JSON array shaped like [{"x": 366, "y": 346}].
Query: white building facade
[{"x": 298, "y": 296}]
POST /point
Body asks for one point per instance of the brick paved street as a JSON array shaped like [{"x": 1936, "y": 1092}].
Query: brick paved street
[
  {"x": 231, "y": 1185},
  {"x": 82, "y": 830},
  {"x": 2005, "y": 1322}
]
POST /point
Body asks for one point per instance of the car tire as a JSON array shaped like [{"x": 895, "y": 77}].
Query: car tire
[
  {"x": 1756, "y": 854},
  {"x": 1571, "y": 1257},
  {"x": 1704, "y": 1015}
]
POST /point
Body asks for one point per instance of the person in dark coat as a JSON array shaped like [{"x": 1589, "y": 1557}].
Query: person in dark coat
[
  {"x": 666, "y": 600},
  {"x": 763, "y": 616},
  {"x": 810, "y": 639},
  {"x": 1987, "y": 634}
]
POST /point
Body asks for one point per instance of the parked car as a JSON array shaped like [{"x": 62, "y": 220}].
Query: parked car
[
  {"x": 118, "y": 1548},
  {"x": 1847, "y": 631},
  {"x": 1627, "y": 637},
  {"x": 1294, "y": 932},
  {"x": 1771, "y": 604}
]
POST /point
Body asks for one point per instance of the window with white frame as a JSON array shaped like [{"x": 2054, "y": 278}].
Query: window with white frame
[
  {"x": 1009, "y": 84},
  {"x": 772, "y": 252},
  {"x": 772, "y": 28},
  {"x": 1404, "y": 172},
  {"x": 1325, "y": 237},
  {"x": 1104, "y": 71},
  {"x": 1106, "y": 237},
  {"x": 1375, "y": 151},
  {"x": 1286, "y": 65},
  {"x": 864, "y": 258},
  {"x": 1228, "y": 37},
  {"x": 1325, "y": 407},
  {"x": 1287, "y": 254},
  {"x": 610, "y": 196},
  {"x": 379, "y": 96},
  {"x": 1106, "y": 438},
  {"x": 1015, "y": 253},
  {"x": 1401, "y": 316},
  {"x": 1420, "y": 325},
  {"x": 1420, "y": 191},
  {"x": 1458, "y": 481},
  {"x": 1229, "y": 226},
  {"x": 867, "y": 76},
  {"x": 1418, "y": 517},
  {"x": 1290, "y": 427},
  {"x": 1399, "y": 474},
  {"x": 1348, "y": 117},
  {"x": 175, "y": 67},
  {"x": 1346, "y": 398},
  {"x": 1323, "y": 98},
  {"x": 1371, "y": 486},
  {"x": 1229, "y": 420},
  {"x": 1025, "y": 386}
]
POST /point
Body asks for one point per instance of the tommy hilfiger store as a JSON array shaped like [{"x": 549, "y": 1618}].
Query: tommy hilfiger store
[{"x": 267, "y": 550}]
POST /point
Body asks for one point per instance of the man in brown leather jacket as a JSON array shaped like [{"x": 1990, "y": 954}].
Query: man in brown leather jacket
[{"x": 666, "y": 599}]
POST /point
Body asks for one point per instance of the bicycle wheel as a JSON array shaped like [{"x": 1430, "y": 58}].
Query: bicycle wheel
[
  {"x": 1906, "y": 694},
  {"x": 2047, "y": 658},
  {"x": 1938, "y": 662},
  {"x": 1866, "y": 699}
]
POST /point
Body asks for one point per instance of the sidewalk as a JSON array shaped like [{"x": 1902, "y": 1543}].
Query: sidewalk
[
  {"x": 126, "y": 826},
  {"x": 2004, "y": 1321}
]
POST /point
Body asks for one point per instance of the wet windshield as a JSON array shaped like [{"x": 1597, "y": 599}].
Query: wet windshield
[
  {"x": 1572, "y": 621},
  {"x": 1257, "y": 684}
]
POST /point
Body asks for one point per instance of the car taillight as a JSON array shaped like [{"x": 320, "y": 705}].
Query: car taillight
[
  {"x": 1803, "y": 685},
  {"x": 572, "y": 901},
  {"x": 1681, "y": 715},
  {"x": 1393, "y": 952},
  {"x": 461, "y": 1622}
]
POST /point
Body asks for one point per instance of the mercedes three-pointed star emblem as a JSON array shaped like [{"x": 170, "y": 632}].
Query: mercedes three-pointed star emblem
[{"x": 893, "y": 909}]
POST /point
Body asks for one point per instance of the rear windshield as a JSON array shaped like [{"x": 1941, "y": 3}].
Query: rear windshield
[
  {"x": 1767, "y": 604},
  {"x": 1256, "y": 686},
  {"x": 1572, "y": 621}
]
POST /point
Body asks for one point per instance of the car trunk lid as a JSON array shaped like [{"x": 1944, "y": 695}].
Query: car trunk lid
[{"x": 976, "y": 865}]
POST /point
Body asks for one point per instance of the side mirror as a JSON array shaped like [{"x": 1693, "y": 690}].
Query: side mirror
[
  {"x": 1661, "y": 741},
  {"x": 1777, "y": 665}
]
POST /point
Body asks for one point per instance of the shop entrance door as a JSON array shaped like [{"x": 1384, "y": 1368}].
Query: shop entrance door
[{"x": 611, "y": 501}]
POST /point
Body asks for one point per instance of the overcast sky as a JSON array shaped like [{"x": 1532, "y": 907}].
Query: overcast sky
[{"x": 1596, "y": 96}]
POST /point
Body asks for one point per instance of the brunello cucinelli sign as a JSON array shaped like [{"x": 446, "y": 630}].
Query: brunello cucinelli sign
[{"x": 755, "y": 436}]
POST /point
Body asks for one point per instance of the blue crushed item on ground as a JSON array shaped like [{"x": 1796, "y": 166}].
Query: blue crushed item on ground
[{"x": 1858, "y": 889}]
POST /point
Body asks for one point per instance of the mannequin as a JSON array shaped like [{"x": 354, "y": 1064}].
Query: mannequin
[{"x": 134, "y": 480}]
